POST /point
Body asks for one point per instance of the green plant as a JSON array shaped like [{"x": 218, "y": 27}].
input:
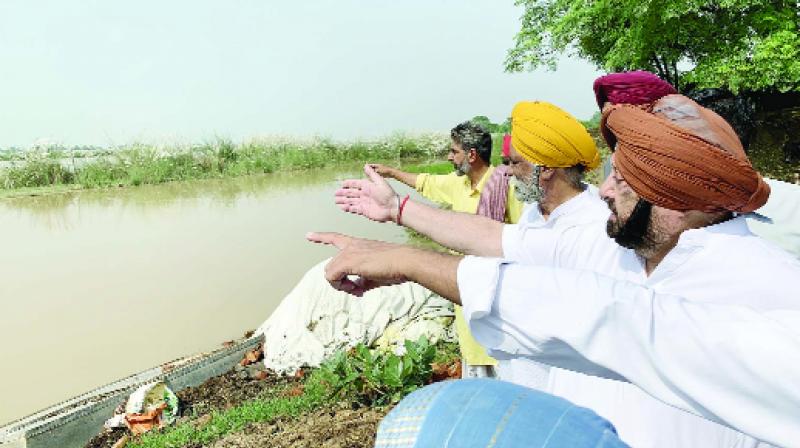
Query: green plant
[
  {"x": 379, "y": 378},
  {"x": 37, "y": 171}
]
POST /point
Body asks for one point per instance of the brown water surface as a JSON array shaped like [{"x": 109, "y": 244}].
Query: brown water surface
[{"x": 98, "y": 285}]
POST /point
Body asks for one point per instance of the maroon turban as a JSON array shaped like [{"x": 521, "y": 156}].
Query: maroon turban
[
  {"x": 682, "y": 156},
  {"x": 639, "y": 87}
]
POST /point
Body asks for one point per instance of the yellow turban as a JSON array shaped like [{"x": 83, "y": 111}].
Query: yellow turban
[{"x": 546, "y": 135}]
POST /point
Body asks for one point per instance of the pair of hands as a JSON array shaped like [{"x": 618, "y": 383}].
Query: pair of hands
[{"x": 363, "y": 264}]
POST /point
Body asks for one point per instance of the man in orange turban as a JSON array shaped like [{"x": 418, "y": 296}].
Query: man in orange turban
[
  {"x": 680, "y": 157},
  {"x": 594, "y": 309}
]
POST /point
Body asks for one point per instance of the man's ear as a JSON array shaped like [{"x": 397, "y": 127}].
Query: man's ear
[
  {"x": 546, "y": 173},
  {"x": 472, "y": 155}
]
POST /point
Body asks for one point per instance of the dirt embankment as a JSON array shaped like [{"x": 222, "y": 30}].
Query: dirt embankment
[
  {"x": 338, "y": 425},
  {"x": 218, "y": 393},
  {"x": 329, "y": 428}
]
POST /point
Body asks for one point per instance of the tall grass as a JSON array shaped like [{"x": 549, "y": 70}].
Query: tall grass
[{"x": 146, "y": 164}]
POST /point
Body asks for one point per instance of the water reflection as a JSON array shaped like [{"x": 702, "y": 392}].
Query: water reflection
[
  {"x": 100, "y": 284},
  {"x": 57, "y": 211}
]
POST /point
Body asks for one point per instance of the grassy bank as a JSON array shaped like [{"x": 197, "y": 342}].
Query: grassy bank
[
  {"x": 144, "y": 164},
  {"x": 40, "y": 172},
  {"x": 356, "y": 379}
]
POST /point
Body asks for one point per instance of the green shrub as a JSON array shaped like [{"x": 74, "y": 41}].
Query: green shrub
[
  {"x": 37, "y": 172},
  {"x": 378, "y": 378},
  {"x": 100, "y": 174}
]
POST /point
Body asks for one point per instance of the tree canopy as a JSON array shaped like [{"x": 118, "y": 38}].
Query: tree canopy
[
  {"x": 494, "y": 128},
  {"x": 733, "y": 44}
]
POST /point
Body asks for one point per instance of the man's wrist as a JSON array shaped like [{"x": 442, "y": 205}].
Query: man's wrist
[
  {"x": 395, "y": 208},
  {"x": 407, "y": 260},
  {"x": 401, "y": 205}
]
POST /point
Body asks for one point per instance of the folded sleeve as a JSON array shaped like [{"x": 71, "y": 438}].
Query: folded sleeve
[{"x": 730, "y": 364}]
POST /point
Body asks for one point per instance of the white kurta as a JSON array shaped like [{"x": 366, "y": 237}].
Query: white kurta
[
  {"x": 624, "y": 324},
  {"x": 519, "y": 240}
]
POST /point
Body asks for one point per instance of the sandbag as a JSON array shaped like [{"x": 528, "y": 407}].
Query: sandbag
[{"x": 314, "y": 321}]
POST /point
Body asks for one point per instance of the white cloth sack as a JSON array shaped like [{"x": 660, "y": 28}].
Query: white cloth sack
[{"x": 315, "y": 321}]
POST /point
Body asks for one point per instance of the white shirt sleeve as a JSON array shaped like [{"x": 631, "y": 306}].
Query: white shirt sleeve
[{"x": 730, "y": 364}]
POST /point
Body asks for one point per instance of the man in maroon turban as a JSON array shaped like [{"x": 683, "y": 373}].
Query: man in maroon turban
[{"x": 637, "y": 88}]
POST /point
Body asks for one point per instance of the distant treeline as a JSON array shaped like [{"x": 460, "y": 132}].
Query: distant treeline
[{"x": 505, "y": 126}]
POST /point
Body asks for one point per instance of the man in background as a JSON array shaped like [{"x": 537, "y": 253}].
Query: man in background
[{"x": 475, "y": 186}]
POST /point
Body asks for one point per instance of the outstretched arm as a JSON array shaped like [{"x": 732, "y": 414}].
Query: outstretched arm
[
  {"x": 362, "y": 265},
  {"x": 375, "y": 199},
  {"x": 409, "y": 179}
]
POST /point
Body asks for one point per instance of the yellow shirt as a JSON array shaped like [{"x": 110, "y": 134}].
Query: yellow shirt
[{"x": 457, "y": 192}]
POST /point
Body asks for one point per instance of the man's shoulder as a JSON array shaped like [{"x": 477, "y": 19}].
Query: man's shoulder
[
  {"x": 432, "y": 183},
  {"x": 592, "y": 205},
  {"x": 761, "y": 273},
  {"x": 588, "y": 241},
  {"x": 441, "y": 177},
  {"x": 749, "y": 249}
]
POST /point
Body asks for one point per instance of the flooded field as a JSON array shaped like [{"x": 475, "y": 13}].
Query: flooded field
[{"x": 101, "y": 284}]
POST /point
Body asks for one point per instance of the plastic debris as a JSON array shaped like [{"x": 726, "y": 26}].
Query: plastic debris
[{"x": 150, "y": 406}]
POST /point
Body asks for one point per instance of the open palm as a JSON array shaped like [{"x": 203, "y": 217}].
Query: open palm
[{"x": 372, "y": 197}]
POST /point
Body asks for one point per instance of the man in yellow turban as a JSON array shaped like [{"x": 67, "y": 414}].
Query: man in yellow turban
[
  {"x": 548, "y": 136},
  {"x": 550, "y": 152}
]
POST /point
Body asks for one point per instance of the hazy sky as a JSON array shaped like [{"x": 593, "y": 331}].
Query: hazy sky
[{"x": 110, "y": 72}]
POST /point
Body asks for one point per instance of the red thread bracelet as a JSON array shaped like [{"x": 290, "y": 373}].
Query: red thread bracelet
[{"x": 400, "y": 210}]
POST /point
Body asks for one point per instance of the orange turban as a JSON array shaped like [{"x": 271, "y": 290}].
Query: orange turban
[
  {"x": 546, "y": 135},
  {"x": 683, "y": 156}
]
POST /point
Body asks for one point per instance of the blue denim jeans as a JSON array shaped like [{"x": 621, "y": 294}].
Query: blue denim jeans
[{"x": 492, "y": 413}]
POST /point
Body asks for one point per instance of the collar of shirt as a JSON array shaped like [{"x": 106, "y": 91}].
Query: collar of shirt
[
  {"x": 479, "y": 186},
  {"x": 534, "y": 218}
]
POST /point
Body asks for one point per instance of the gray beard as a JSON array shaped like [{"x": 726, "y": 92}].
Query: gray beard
[
  {"x": 527, "y": 191},
  {"x": 463, "y": 169}
]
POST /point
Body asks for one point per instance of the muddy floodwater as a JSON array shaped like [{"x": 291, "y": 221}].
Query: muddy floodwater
[{"x": 98, "y": 285}]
